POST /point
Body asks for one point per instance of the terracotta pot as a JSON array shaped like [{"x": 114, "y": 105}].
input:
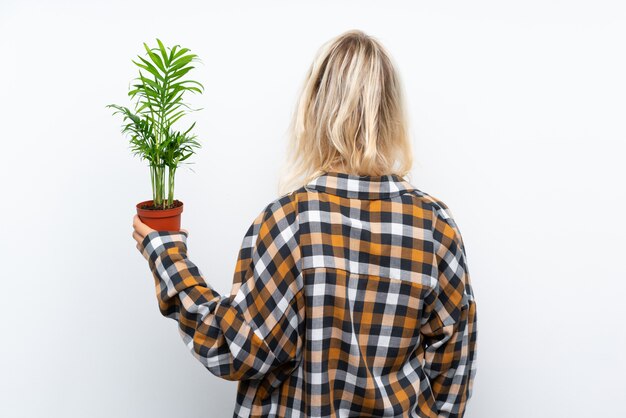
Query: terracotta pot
[{"x": 160, "y": 219}]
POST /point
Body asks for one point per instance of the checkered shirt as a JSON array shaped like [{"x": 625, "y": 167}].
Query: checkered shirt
[{"x": 351, "y": 297}]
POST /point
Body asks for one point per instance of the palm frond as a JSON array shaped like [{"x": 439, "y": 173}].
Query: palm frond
[{"x": 158, "y": 93}]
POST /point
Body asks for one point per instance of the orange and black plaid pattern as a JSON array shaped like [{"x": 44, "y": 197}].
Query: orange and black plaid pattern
[{"x": 351, "y": 297}]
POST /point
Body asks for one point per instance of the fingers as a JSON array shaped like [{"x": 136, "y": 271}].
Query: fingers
[
  {"x": 141, "y": 228},
  {"x": 137, "y": 238}
]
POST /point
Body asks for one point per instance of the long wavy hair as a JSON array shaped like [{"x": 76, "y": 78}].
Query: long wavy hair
[{"x": 350, "y": 116}]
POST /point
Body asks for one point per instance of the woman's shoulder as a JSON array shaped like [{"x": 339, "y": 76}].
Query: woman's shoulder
[{"x": 433, "y": 202}]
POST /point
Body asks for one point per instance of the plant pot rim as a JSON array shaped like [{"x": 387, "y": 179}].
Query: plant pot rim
[{"x": 158, "y": 213}]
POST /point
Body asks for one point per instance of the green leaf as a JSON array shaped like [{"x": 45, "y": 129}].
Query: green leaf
[
  {"x": 154, "y": 57},
  {"x": 177, "y": 117},
  {"x": 190, "y": 128},
  {"x": 181, "y": 73},
  {"x": 172, "y": 52},
  {"x": 191, "y": 81},
  {"x": 181, "y": 62},
  {"x": 163, "y": 53},
  {"x": 181, "y": 52},
  {"x": 149, "y": 67}
]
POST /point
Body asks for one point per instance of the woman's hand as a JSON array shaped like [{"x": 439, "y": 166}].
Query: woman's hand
[{"x": 140, "y": 230}]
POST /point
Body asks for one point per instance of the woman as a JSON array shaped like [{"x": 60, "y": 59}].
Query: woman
[{"x": 351, "y": 294}]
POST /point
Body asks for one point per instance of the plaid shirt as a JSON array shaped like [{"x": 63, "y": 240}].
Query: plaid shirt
[{"x": 351, "y": 296}]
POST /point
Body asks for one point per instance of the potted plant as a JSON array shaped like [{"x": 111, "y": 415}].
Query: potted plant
[{"x": 158, "y": 96}]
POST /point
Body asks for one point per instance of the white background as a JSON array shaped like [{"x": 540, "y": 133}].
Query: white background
[{"x": 517, "y": 116}]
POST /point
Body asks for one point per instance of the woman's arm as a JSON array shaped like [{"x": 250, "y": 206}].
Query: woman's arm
[
  {"x": 450, "y": 333},
  {"x": 257, "y": 328}
]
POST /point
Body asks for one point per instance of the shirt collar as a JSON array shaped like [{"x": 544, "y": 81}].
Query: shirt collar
[{"x": 360, "y": 187}]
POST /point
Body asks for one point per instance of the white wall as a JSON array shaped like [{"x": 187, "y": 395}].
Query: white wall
[{"x": 517, "y": 113}]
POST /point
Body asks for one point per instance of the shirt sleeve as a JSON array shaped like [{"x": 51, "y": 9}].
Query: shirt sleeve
[
  {"x": 257, "y": 328},
  {"x": 450, "y": 331}
]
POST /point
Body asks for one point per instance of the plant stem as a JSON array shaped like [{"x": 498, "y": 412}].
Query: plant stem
[
  {"x": 152, "y": 179},
  {"x": 172, "y": 173},
  {"x": 160, "y": 186}
]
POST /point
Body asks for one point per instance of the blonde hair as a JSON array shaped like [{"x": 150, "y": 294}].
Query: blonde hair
[{"x": 350, "y": 116}]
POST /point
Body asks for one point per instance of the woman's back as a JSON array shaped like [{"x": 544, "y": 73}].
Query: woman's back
[{"x": 376, "y": 317}]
